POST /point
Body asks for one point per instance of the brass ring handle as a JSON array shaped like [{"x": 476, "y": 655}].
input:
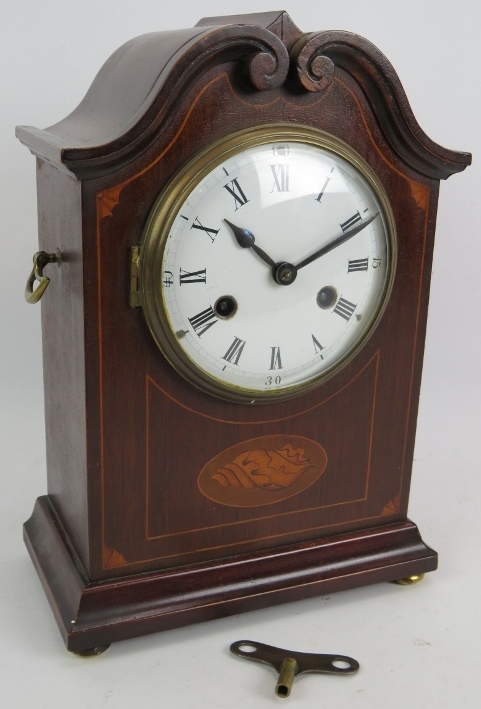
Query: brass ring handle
[{"x": 40, "y": 260}]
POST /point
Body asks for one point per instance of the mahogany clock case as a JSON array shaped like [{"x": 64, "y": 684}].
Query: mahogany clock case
[{"x": 134, "y": 536}]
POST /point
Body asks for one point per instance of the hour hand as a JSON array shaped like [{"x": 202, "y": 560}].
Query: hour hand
[{"x": 246, "y": 240}]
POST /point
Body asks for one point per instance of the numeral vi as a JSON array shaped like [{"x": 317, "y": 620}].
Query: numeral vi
[{"x": 275, "y": 358}]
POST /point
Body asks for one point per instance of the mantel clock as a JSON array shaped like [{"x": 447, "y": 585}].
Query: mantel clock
[{"x": 237, "y": 223}]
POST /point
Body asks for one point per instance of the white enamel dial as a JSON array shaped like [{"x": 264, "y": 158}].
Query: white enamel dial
[{"x": 271, "y": 265}]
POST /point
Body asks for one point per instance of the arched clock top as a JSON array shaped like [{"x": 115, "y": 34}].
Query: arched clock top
[
  {"x": 134, "y": 93},
  {"x": 313, "y": 56}
]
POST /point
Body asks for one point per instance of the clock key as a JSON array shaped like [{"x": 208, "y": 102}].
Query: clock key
[{"x": 289, "y": 663}]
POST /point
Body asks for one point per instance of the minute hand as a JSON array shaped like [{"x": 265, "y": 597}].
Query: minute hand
[{"x": 345, "y": 236}]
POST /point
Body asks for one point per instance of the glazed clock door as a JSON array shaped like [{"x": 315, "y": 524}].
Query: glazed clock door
[{"x": 267, "y": 262}]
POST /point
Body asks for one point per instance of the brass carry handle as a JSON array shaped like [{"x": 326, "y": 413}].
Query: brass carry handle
[{"x": 40, "y": 260}]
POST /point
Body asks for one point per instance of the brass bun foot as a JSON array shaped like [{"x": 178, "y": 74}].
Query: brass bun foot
[
  {"x": 92, "y": 651},
  {"x": 410, "y": 580}
]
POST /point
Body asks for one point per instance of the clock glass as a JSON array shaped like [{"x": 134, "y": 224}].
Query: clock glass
[{"x": 266, "y": 263}]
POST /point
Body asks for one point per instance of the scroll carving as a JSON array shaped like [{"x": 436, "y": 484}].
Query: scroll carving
[
  {"x": 314, "y": 70},
  {"x": 261, "y": 52}
]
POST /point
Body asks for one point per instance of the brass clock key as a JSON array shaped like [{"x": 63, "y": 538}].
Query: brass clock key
[{"x": 289, "y": 664}]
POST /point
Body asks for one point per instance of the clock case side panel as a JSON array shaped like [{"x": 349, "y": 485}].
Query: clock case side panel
[
  {"x": 419, "y": 345},
  {"x": 63, "y": 345}
]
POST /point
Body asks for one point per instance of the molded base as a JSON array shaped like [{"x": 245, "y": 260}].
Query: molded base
[{"x": 94, "y": 614}]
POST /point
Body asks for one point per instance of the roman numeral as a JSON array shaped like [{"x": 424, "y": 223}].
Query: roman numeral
[
  {"x": 281, "y": 178},
  {"x": 192, "y": 277},
  {"x": 234, "y": 352},
  {"x": 359, "y": 264},
  {"x": 197, "y": 225},
  {"x": 344, "y": 308},
  {"x": 275, "y": 358},
  {"x": 317, "y": 346},
  {"x": 324, "y": 187},
  {"x": 351, "y": 221},
  {"x": 203, "y": 321},
  {"x": 236, "y": 191},
  {"x": 280, "y": 149}
]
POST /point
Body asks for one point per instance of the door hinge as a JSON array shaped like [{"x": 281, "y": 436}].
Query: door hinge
[{"x": 134, "y": 263}]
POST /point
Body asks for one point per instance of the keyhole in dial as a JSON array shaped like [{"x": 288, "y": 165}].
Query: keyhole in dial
[
  {"x": 225, "y": 307},
  {"x": 326, "y": 297}
]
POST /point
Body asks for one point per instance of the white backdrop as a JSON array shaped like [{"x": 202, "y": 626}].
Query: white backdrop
[{"x": 415, "y": 645}]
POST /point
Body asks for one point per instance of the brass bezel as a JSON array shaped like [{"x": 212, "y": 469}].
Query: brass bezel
[{"x": 158, "y": 227}]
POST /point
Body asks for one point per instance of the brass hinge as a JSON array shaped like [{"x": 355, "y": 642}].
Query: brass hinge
[{"x": 134, "y": 293}]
